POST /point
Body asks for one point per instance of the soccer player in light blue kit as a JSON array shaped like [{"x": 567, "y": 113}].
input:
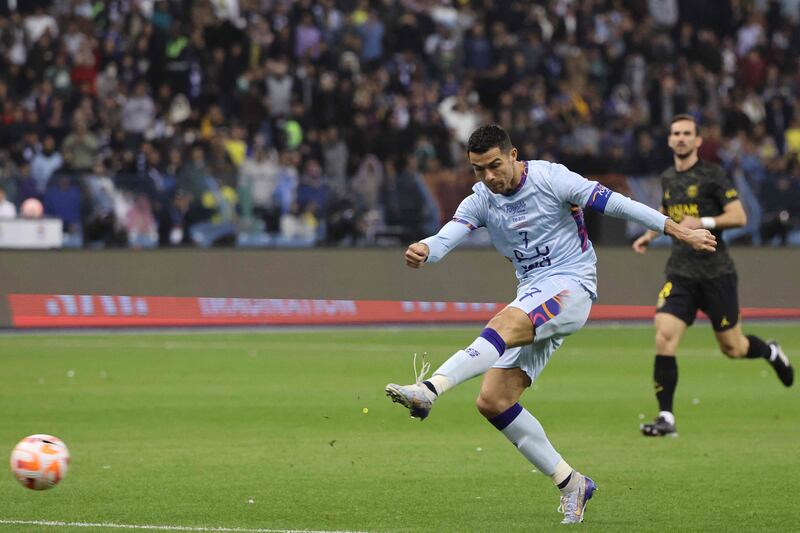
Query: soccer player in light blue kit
[{"x": 533, "y": 212}]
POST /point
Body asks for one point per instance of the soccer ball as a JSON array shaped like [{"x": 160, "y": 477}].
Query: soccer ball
[{"x": 39, "y": 462}]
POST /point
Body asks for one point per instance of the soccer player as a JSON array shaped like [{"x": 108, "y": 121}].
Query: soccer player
[
  {"x": 533, "y": 212},
  {"x": 698, "y": 194}
]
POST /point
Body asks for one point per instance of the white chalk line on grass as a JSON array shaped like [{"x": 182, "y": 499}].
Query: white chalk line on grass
[{"x": 107, "y": 525}]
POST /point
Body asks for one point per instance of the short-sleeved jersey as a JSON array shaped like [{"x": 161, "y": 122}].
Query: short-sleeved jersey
[
  {"x": 539, "y": 226},
  {"x": 701, "y": 191}
]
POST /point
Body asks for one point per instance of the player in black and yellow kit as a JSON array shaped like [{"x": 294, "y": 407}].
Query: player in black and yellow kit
[{"x": 699, "y": 194}]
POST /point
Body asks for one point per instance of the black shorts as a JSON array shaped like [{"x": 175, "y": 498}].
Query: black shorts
[{"x": 716, "y": 297}]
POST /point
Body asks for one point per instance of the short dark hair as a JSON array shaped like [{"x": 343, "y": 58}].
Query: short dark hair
[
  {"x": 685, "y": 116},
  {"x": 487, "y": 137}
]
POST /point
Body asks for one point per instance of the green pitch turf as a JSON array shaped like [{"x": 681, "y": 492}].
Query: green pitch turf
[{"x": 267, "y": 430}]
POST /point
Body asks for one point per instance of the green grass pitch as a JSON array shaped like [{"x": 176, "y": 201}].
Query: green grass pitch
[{"x": 187, "y": 429}]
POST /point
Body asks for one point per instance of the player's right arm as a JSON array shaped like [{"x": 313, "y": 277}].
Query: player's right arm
[
  {"x": 700, "y": 239},
  {"x": 469, "y": 217}
]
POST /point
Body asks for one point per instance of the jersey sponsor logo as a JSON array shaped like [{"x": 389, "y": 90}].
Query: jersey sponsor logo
[
  {"x": 515, "y": 208},
  {"x": 677, "y": 211},
  {"x": 691, "y": 191},
  {"x": 519, "y": 221},
  {"x": 540, "y": 259}
]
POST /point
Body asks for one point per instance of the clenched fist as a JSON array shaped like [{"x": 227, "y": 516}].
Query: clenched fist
[{"x": 416, "y": 254}]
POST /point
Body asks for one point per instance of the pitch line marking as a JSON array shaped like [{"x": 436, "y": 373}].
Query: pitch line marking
[{"x": 57, "y": 523}]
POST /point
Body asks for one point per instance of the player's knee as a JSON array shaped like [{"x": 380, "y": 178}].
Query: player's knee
[
  {"x": 513, "y": 326},
  {"x": 491, "y": 406},
  {"x": 665, "y": 341}
]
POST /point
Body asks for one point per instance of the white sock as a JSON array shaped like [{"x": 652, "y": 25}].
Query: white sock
[
  {"x": 669, "y": 417},
  {"x": 561, "y": 473},
  {"x": 473, "y": 361},
  {"x": 527, "y": 434}
]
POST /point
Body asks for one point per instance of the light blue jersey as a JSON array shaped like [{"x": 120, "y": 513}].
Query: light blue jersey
[{"x": 539, "y": 226}]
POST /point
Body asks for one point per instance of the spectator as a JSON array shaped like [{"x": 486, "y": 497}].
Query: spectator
[
  {"x": 780, "y": 198},
  {"x": 138, "y": 113},
  {"x": 26, "y": 185},
  {"x": 7, "y": 208},
  {"x": 63, "y": 200},
  {"x": 45, "y": 163},
  {"x": 258, "y": 176},
  {"x": 80, "y": 147},
  {"x": 140, "y": 224},
  {"x": 192, "y": 175},
  {"x": 141, "y": 83}
]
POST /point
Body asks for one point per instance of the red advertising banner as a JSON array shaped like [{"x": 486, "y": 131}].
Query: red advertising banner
[{"x": 68, "y": 310}]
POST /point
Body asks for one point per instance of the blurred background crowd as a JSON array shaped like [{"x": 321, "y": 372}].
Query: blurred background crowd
[{"x": 343, "y": 122}]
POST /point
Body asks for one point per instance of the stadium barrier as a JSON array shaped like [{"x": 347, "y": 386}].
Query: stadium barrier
[
  {"x": 80, "y": 311},
  {"x": 340, "y": 286}
]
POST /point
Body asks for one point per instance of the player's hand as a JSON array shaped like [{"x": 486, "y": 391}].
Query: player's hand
[
  {"x": 416, "y": 254},
  {"x": 640, "y": 245},
  {"x": 691, "y": 222},
  {"x": 701, "y": 240}
]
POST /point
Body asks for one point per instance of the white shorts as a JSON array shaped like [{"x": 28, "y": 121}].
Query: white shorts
[{"x": 557, "y": 307}]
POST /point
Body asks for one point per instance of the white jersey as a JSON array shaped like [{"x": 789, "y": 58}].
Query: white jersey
[{"x": 539, "y": 226}]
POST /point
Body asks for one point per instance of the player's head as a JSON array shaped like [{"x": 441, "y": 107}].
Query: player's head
[
  {"x": 492, "y": 157},
  {"x": 684, "y": 136}
]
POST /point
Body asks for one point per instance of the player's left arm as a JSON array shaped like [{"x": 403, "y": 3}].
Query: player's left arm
[{"x": 733, "y": 214}]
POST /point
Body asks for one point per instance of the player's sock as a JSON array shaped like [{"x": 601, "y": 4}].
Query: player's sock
[
  {"x": 564, "y": 476},
  {"x": 527, "y": 434},
  {"x": 665, "y": 375},
  {"x": 667, "y": 416},
  {"x": 473, "y": 361},
  {"x": 759, "y": 348}
]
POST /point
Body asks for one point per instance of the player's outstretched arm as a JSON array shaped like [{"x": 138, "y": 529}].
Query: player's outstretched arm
[
  {"x": 640, "y": 245},
  {"x": 416, "y": 254},
  {"x": 434, "y": 248},
  {"x": 700, "y": 240}
]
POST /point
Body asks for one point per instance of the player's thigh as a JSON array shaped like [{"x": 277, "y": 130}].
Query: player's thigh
[
  {"x": 721, "y": 303},
  {"x": 732, "y": 341},
  {"x": 557, "y": 306},
  {"x": 500, "y": 389},
  {"x": 669, "y": 331}
]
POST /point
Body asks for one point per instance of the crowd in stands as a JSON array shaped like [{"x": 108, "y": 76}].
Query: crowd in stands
[{"x": 275, "y": 122}]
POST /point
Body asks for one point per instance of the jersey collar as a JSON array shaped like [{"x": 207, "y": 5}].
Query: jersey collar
[{"x": 522, "y": 178}]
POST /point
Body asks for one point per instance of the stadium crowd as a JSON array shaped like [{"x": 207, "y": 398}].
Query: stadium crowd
[{"x": 276, "y": 122}]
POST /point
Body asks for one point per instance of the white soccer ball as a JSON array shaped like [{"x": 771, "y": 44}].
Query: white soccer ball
[{"x": 39, "y": 462}]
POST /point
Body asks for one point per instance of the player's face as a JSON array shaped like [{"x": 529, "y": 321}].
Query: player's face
[
  {"x": 683, "y": 138},
  {"x": 495, "y": 168}
]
